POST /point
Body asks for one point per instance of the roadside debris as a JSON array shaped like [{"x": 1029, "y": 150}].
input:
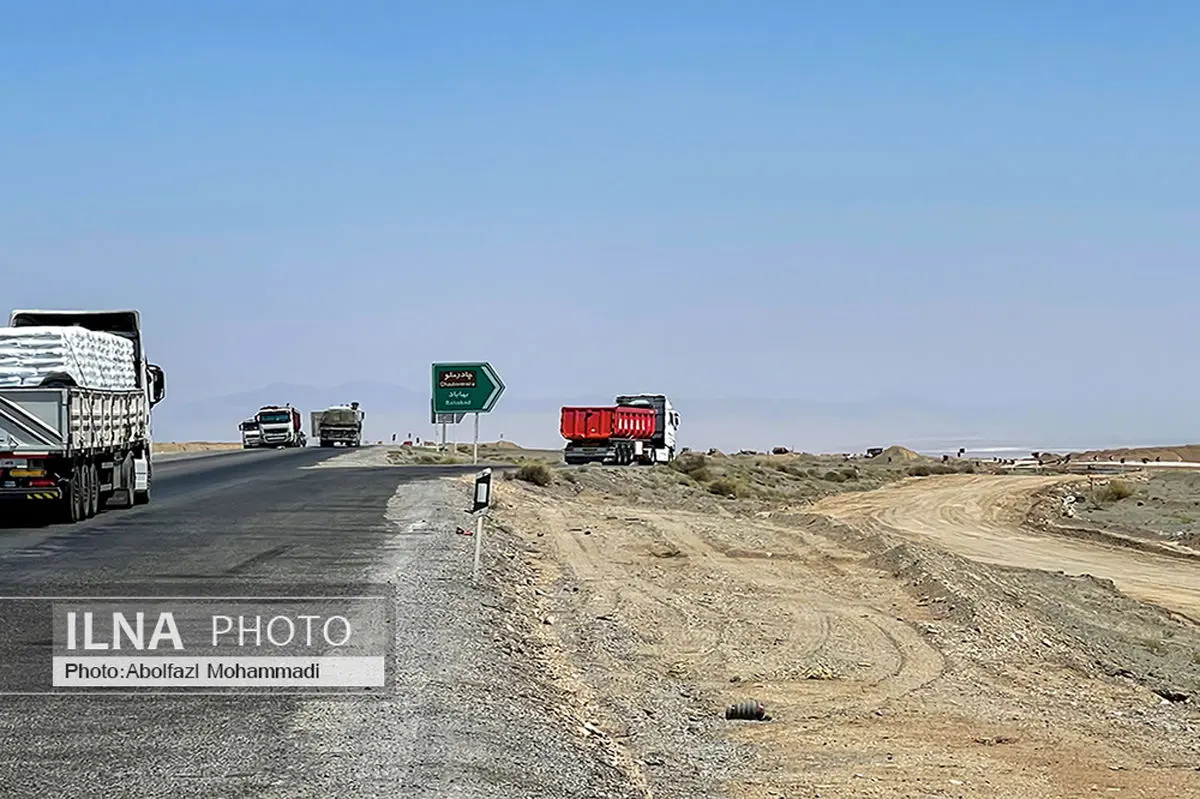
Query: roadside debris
[{"x": 747, "y": 711}]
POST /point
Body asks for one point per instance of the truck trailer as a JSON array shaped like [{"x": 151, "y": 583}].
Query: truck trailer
[
  {"x": 338, "y": 424},
  {"x": 280, "y": 426},
  {"x": 76, "y": 393},
  {"x": 251, "y": 435},
  {"x": 638, "y": 428}
]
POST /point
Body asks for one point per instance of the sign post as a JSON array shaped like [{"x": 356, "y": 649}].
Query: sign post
[
  {"x": 462, "y": 388},
  {"x": 483, "y": 501}
]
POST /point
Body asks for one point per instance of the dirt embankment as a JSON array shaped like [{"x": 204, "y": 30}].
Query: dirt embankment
[
  {"x": 1153, "y": 509},
  {"x": 895, "y": 653},
  {"x": 1189, "y": 453},
  {"x": 165, "y": 447},
  {"x": 491, "y": 452}
]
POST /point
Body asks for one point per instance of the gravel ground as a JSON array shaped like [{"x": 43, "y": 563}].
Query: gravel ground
[
  {"x": 470, "y": 717},
  {"x": 1165, "y": 505},
  {"x": 892, "y": 668}
]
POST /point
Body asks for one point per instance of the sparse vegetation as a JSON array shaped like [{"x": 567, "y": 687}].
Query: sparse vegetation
[
  {"x": 536, "y": 473},
  {"x": 1115, "y": 491},
  {"x": 694, "y": 466},
  {"x": 928, "y": 469},
  {"x": 728, "y": 487}
]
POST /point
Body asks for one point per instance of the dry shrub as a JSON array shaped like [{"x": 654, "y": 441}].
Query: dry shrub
[
  {"x": 536, "y": 473},
  {"x": 1115, "y": 491}
]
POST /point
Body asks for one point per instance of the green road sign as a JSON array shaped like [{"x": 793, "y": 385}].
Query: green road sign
[{"x": 465, "y": 387}]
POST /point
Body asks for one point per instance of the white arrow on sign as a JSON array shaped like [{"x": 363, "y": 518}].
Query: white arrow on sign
[{"x": 490, "y": 403}]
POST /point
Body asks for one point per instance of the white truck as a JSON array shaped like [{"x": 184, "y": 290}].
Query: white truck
[
  {"x": 279, "y": 426},
  {"x": 75, "y": 408},
  {"x": 338, "y": 424},
  {"x": 251, "y": 435}
]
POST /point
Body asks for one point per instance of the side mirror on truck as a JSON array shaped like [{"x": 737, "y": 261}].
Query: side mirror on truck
[{"x": 158, "y": 383}]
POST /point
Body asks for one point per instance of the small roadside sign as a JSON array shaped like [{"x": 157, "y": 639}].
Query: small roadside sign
[
  {"x": 483, "y": 491},
  {"x": 483, "y": 501}
]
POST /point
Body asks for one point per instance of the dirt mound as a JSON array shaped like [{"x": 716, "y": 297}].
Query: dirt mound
[
  {"x": 1188, "y": 452},
  {"x": 501, "y": 444},
  {"x": 896, "y": 454}
]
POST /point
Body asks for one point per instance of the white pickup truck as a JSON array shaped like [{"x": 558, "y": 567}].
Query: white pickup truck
[{"x": 65, "y": 445}]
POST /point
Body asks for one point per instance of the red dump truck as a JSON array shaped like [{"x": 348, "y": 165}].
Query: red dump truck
[{"x": 637, "y": 429}]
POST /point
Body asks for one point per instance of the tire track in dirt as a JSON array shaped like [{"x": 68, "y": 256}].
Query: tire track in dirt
[
  {"x": 666, "y": 613},
  {"x": 785, "y": 623},
  {"x": 982, "y": 517}
]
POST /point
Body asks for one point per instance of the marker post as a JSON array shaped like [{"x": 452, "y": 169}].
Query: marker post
[{"x": 483, "y": 502}]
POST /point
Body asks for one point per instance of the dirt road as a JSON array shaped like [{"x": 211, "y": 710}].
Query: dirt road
[{"x": 981, "y": 516}]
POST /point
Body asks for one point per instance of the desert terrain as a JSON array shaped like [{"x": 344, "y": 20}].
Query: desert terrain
[
  {"x": 912, "y": 627},
  {"x": 170, "y": 447}
]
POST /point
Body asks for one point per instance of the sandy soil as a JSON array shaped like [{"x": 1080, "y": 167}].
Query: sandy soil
[
  {"x": 982, "y": 517},
  {"x": 165, "y": 447},
  {"x": 891, "y": 664}
]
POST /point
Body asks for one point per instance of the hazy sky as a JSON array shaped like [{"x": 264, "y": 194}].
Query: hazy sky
[{"x": 835, "y": 200}]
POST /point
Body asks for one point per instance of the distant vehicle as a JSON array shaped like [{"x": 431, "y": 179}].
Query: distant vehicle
[
  {"x": 76, "y": 392},
  {"x": 637, "y": 428},
  {"x": 280, "y": 426},
  {"x": 338, "y": 424},
  {"x": 251, "y": 435}
]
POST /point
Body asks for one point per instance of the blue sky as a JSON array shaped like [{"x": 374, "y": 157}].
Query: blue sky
[{"x": 787, "y": 199}]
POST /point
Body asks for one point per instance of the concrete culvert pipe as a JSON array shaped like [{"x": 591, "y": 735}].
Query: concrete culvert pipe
[{"x": 747, "y": 711}]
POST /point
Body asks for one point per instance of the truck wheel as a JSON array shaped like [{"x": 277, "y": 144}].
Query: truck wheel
[
  {"x": 71, "y": 505},
  {"x": 85, "y": 492},
  {"x": 92, "y": 497}
]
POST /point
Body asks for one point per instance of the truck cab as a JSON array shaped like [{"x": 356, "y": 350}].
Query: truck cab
[
  {"x": 667, "y": 427},
  {"x": 251, "y": 435},
  {"x": 279, "y": 426}
]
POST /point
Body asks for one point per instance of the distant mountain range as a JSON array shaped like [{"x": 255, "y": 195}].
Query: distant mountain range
[{"x": 727, "y": 423}]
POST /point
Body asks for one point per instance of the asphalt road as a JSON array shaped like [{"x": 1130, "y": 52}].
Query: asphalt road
[{"x": 464, "y": 719}]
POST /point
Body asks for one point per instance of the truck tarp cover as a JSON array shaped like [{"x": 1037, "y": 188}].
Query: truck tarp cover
[
  {"x": 341, "y": 417},
  {"x": 28, "y": 355}
]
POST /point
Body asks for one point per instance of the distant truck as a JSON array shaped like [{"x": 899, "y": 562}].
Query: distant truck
[
  {"x": 76, "y": 393},
  {"x": 251, "y": 435},
  {"x": 338, "y": 424},
  {"x": 637, "y": 428},
  {"x": 280, "y": 426}
]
